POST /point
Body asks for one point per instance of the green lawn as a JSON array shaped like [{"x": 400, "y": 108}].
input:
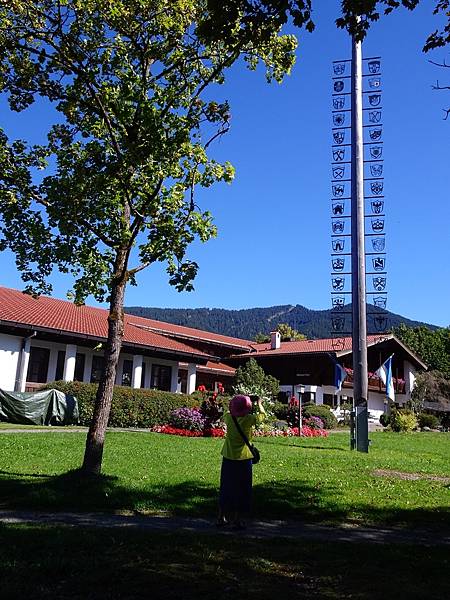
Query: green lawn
[
  {"x": 76, "y": 563},
  {"x": 308, "y": 479}
]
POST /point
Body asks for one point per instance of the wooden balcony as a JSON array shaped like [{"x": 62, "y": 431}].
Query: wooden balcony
[{"x": 376, "y": 385}]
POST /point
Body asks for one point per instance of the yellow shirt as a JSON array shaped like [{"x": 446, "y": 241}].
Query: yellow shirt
[{"x": 234, "y": 446}]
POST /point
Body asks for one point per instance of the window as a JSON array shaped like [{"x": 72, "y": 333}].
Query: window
[
  {"x": 127, "y": 372},
  {"x": 60, "y": 365},
  {"x": 38, "y": 365},
  {"x": 79, "y": 367},
  {"x": 309, "y": 397},
  {"x": 284, "y": 397},
  {"x": 330, "y": 400},
  {"x": 98, "y": 363},
  {"x": 161, "y": 376}
]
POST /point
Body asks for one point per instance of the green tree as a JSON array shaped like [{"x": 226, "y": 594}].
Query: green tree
[
  {"x": 111, "y": 191},
  {"x": 251, "y": 379},
  {"x": 432, "y": 346},
  {"x": 287, "y": 334},
  {"x": 430, "y": 386},
  {"x": 356, "y": 16}
]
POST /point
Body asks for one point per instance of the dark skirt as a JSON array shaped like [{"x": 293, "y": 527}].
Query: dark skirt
[{"x": 235, "y": 485}]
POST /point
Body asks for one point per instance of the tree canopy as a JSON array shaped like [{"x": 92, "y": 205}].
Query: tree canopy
[
  {"x": 287, "y": 334},
  {"x": 131, "y": 139},
  {"x": 251, "y": 379},
  {"x": 432, "y": 346}
]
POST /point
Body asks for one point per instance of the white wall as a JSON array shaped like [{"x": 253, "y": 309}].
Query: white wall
[
  {"x": 409, "y": 374},
  {"x": 10, "y": 350},
  {"x": 10, "y": 346}
]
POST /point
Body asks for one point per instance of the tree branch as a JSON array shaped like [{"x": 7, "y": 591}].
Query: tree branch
[
  {"x": 440, "y": 87},
  {"x": 444, "y": 64},
  {"x": 141, "y": 267}
]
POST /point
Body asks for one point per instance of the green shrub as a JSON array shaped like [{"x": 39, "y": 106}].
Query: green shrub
[
  {"x": 385, "y": 419},
  {"x": 323, "y": 411},
  {"x": 427, "y": 420},
  {"x": 130, "y": 407},
  {"x": 403, "y": 420},
  {"x": 251, "y": 379},
  {"x": 280, "y": 410}
]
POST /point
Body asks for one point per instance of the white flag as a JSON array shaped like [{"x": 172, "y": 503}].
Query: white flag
[{"x": 385, "y": 374}]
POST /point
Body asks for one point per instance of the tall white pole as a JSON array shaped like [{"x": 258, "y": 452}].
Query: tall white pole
[{"x": 359, "y": 326}]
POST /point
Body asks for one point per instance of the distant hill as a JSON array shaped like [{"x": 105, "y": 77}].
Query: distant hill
[{"x": 247, "y": 323}]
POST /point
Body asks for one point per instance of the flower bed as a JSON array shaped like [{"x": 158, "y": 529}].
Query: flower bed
[
  {"x": 292, "y": 432},
  {"x": 219, "y": 432},
  {"x": 169, "y": 430}
]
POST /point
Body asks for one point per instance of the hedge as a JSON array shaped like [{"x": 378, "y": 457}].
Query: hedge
[
  {"x": 130, "y": 407},
  {"x": 428, "y": 420},
  {"x": 322, "y": 411}
]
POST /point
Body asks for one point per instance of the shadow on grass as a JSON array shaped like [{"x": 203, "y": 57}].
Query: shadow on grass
[
  {"x": 45, "y": 563},
  {"x": 295, "y": 500}
]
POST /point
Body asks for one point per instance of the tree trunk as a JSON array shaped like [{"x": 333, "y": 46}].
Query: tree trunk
[{"x": 93, "y": 454}]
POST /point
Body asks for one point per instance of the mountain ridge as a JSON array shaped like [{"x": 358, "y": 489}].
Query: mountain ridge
[{"x": 246, "y": 323}]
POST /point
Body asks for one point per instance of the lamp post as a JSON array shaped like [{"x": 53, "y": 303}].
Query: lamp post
[{"x": 300, "y": 417}]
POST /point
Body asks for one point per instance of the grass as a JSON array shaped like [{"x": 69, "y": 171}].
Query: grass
[
  {"x": 318, "y": 480},
  {"x": 47, "y": 563}
]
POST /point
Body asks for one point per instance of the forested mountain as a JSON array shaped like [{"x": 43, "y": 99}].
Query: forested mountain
[{"x": 248, "y": 322}]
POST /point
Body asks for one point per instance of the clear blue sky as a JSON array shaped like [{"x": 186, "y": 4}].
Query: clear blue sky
[{"x": 274, "y": 220}]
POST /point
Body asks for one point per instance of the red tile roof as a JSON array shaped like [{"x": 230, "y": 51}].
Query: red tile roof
[
  {"x": 308, "y": 346},
  {"x": 180, "y": 331},
  {"x": 65, "y": 317}
]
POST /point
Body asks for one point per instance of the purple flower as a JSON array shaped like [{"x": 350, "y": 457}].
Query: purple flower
[{"x": 187, "y": 418}]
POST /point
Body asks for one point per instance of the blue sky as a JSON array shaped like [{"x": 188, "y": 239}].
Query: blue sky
[{"x": 274, "y": 220}]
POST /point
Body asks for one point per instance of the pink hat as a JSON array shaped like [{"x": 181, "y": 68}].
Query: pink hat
[{"x": 240, "y": 406}]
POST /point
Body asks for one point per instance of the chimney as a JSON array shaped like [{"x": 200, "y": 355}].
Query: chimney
[{"x": 275, "y": 340}]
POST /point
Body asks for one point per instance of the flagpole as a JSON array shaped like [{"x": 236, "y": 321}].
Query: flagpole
[{"x": 359, "y": 326}]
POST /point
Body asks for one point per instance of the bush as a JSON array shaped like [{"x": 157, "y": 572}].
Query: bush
[
  {"x": 130, "y": 407},
  {"x": 212, "y": 410},
  {"x": 403, "y": 420},
  {"x": 280, "y": 410},
  {"x": 292, "y": 416},
  {"x": 314, "y": 423},
  {"x": 427, "y": 420},
  {"x": 385, "y": 419},
  {"x": 251, "y": 379},
  {"x": 187, "y": 418},
  {"x": 323, "y": 412},
  {"x": 311, "y": 412}
]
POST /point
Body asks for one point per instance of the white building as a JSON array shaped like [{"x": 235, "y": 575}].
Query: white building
[
  {"x": 306, "y": 368},
  {"x": 45, "y": 339}
]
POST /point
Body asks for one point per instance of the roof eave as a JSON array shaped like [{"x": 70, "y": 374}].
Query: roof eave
[{"x": 198, "y": 358}]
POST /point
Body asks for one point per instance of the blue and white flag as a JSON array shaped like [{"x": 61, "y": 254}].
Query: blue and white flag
[
  {"x": 339, "y": 375},
  {"x": 385, "y": 374}
]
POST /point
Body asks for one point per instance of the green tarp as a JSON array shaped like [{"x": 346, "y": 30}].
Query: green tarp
[{"x": 49, "y": 407}]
